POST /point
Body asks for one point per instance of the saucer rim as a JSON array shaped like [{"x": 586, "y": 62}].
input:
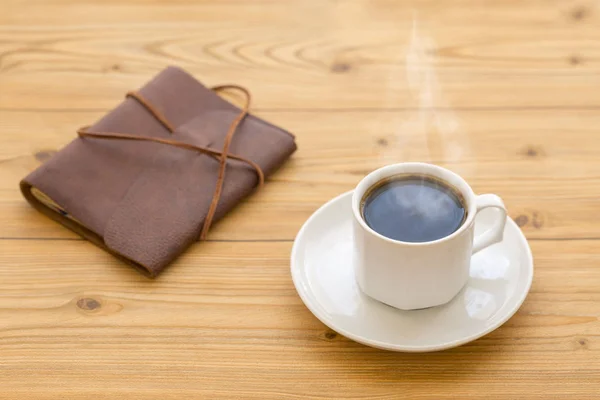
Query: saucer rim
[{"x": 295, "y": 271}]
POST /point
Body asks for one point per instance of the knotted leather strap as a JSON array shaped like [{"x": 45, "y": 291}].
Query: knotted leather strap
[{"x": 222, "y": 155}]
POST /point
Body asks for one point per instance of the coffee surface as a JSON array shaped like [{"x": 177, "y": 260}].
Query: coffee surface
[{"x": 413, "y": 208}]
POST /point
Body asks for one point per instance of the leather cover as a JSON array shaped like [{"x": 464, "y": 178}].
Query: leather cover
[{"x": 146, "y": 202}]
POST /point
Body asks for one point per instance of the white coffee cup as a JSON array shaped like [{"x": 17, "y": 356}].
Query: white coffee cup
[{"x": 410, "y": 276}]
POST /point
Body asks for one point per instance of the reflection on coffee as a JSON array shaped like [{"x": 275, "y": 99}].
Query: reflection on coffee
[{"x": 413, "y": 208}]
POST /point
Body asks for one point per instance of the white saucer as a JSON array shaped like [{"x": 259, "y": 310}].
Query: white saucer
[{"x": 323, "y": 273}]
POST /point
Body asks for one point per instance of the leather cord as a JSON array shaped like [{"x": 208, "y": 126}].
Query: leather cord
[{"x": 221, "y": 156}]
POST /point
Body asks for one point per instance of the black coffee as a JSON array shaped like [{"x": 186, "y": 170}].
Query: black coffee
[{"x": 413, "y": 208}]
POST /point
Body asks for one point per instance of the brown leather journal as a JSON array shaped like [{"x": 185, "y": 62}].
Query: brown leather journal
[{"x": 141, "y": 182}]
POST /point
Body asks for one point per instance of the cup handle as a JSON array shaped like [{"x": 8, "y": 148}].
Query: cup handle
[{"x": 496, "y": 232}]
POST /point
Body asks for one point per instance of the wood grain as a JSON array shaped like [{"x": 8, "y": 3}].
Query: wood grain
[
  {"x": 505, "y": 93},
  {"x": 225, "y": 321},
  {"x": 356, "y": 54},
  {"x": 551, "y": 185}
]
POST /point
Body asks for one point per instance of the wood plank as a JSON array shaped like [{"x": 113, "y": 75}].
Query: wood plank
[
  {"x": 544, "y": 164},
  {"x": 221, "y": 311},
  {"x": 324, "y": 55}
]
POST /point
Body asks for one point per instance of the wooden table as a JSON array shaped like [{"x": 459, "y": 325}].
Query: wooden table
[{"x": 505, "y": 93}]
